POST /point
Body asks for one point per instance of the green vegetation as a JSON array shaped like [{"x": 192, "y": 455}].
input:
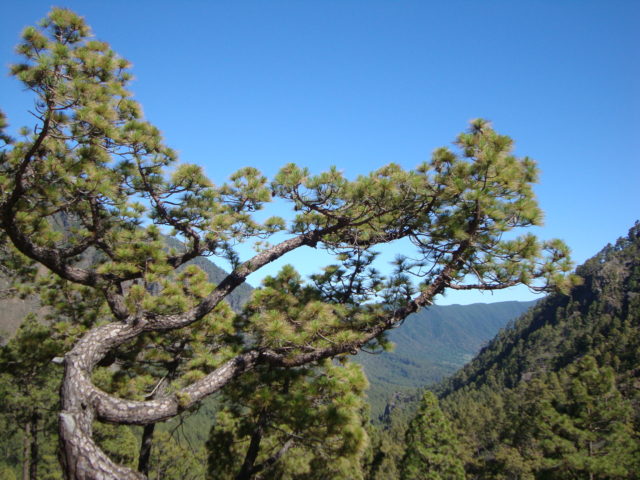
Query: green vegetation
[
  {"x": 432, "y": 452},
  {"x": 556, "y": 396},
  {"x": 285, "y": 423},
  {"x": 186, "y": 451},
  {"x": 135, "y": 335},
  {"x": 291, "y": 424},
  {"x": 28, "y": 388}
]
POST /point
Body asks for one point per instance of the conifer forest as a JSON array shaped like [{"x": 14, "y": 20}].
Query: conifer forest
[{"x": 127, "y": 352}]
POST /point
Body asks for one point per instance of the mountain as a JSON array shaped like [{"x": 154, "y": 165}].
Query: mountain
[
  {"x": 432, "y": 344},
  {"x": 557, "y": 395},
  {"x": 595, "y": 318},
  {"x": 12, "y": 311}
]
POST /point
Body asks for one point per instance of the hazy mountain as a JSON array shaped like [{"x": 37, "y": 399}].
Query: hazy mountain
[{"x": 12, "y": 311}]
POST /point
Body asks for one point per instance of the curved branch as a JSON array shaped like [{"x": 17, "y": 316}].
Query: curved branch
[
  {"x": 48, "y": 257},
  {"x": 95, "y": 345},
  {"x": 273, "y": 459},
  {"x": 485, "y": 286},
  {"x": 19, "y": 186},
  {"x": 236, "y": 278}
]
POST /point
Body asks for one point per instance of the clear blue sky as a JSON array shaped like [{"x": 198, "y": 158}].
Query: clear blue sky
[{"x": 359, "y": 84}]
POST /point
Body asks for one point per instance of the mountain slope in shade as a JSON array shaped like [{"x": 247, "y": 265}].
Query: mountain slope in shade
[
  {"x": 432, "y": 344},
  {"x": 12, "y": 311}
]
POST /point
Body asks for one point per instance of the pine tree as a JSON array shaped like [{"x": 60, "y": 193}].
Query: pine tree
[
  {"x": 302, "y": 423},
  {"x": 387, "y": 446},
  {"x": 588, "y": 432},
  {"x": 432, "y": 449},
  {"x": 29, "y": 384},
  {"x": 95, "y": 159}
]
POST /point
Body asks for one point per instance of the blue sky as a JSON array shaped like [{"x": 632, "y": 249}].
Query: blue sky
[{"x": 359, "y": 84}]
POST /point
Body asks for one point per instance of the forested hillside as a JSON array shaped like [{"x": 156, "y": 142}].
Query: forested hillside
[
  {"x": 558, "y": 395},
  {"x": 432, "y": 344}
]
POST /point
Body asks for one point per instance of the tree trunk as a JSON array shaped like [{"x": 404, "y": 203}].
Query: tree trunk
[
  {"x": 35, "y": 454},
  {"x": 81, "y": 457},
  {"x": 249, "y": 468},
  {"x": 145, "y": 448},
  {"x": 252, "y": 454},
  {"x": 30, "y": 448},
  {"x": 246, "y": 471},
  {"x": 26, "y": 451}
]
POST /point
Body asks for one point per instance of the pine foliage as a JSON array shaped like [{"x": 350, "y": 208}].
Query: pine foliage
[{"x": 432, "y": 450}]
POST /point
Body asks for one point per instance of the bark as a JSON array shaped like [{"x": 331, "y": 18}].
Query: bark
[
  {"x": 26, "y": 450},
  {"x": 145, "y": 448},
  {"x": 82, "y": 459},
  {"x": 250, "y": 458}
]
